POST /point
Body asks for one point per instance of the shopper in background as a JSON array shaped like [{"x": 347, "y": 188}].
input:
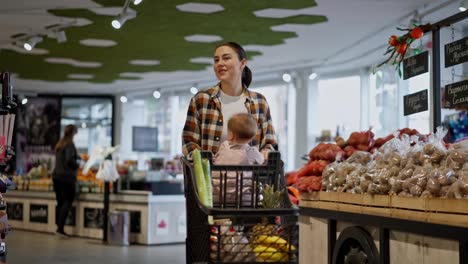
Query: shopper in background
[
  {"x": 208, "y": 111},
  {"x": 64, "y": 175}
]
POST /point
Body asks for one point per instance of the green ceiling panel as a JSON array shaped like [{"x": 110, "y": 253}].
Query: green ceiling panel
[{"x": 157, "y": 33}]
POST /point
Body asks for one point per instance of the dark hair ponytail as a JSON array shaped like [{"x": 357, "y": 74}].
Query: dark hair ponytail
[
  {"x": 246, "y": 73},
  {"x": 246, "y": 76}
]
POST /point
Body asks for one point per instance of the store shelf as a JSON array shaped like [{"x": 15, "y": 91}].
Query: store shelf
[{"x": 429, "y": 210}]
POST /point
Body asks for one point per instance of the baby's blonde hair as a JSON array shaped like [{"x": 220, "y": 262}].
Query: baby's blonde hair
[{"x": 243, "y": 126}]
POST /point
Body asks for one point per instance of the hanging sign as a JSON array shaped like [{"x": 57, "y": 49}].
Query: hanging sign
[
  {"x": 456, "y": 94},
  {"x": 415, "y": 103},
  {"x": 416, "y": 65},
  {"x": 456, "y": 52}
]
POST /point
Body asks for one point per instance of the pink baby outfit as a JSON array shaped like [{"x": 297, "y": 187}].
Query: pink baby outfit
[{"x": 235, "y": 154}]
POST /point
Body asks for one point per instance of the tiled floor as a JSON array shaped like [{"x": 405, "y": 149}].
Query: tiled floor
[{"x": 28, "y": 247}]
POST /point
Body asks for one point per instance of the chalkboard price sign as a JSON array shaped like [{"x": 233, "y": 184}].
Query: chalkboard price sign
[
  {"x": 15, "y": 211},
  {"x": 456, "y": 52},
  {"x": 416, "y": 65},
  {"x": 38, "y": 213},
  {"x": 93, "y": 217},
  {"x": 415, "y": 103},
  {"x": 456, "y": 94}
]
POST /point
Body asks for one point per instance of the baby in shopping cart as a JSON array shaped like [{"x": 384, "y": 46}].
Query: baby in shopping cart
[{"x": 236, "y": 150}]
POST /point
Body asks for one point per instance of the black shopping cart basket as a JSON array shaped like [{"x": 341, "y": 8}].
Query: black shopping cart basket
[{"x": 241, "y": 229}]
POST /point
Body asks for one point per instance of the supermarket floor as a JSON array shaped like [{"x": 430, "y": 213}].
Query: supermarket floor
[{"x": 28, "y": 247}]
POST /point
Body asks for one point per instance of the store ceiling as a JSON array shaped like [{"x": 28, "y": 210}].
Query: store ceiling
[{"x": 169, "y": 44}]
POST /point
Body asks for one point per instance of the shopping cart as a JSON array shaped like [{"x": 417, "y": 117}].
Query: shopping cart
[{"x": 242, "y": 231}]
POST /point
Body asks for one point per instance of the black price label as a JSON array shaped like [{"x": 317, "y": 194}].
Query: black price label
[
  {"x": 416, "y": 65},
  {"x": 135, "y": 221},
  {"x": 415, "y": 103},
  {"x": 456, "y": 52},
  {"x": 456, "y": 94},
  {"x": 93, "y": 217},
  {"x": 38, "y": 213},
  {"x": 15, "y": 211}
]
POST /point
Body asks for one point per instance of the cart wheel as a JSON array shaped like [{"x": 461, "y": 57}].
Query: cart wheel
[{"x": 355, "y": 246}]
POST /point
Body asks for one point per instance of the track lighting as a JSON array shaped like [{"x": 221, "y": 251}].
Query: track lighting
[
  {"x": 31, "y": 42},
  {"x": 463, "y": 5},
  {"x": 287, "y": 77},
  {"x": 120, "y": 20},
  {"x": 312, "y": 76},
  {"x": 156, "y": 94}
]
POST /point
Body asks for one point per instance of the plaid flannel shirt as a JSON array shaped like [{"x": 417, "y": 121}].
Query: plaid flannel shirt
[{"x": 204, "y": 124}]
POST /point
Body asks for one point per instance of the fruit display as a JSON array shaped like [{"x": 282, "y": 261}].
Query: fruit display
[
  {"x": 396, "y": 164},
  {"x": 405, "y": 167},
  {"x": 326, "y": 152}
]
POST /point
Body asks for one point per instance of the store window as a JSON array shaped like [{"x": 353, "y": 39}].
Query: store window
[
  {"x": 169, "y": 113},
  {"x": 384, "y": 105},
  {"x": 454, "y": 115},
  {"x": 93, "y": 117},
  {"x": 277, "y": 97},
  {"x": 420, "y": 121},
  {"x": 339, "y": 101}
]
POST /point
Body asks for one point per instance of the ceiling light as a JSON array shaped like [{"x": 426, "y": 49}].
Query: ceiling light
[
  {"x": 31, "y": 42},
  {"x": 123, "y": 99},
  {"x": 61, "y": 36},
  {"x": 83, "y": 125},
  {"x": 312, "y": 76},
  {"x": 120, "y": 20},
  {"x": 24, "y": 101},
  {"x": 463, "y": 5},
  {"x": 156, "y": 94},
  {"x": 194, "y": 90},
  {"x": 287, "y": 77},
  {"x": 137, "y": 2}
]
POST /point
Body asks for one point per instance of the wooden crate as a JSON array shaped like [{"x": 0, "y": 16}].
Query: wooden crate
[{"x": 432, "y": 210}]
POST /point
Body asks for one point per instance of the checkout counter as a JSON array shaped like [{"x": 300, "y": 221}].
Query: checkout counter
[{"x": 157, "y": 213}]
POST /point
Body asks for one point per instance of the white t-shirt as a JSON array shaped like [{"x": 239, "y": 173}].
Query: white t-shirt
[{"x": 230, "y": 105}]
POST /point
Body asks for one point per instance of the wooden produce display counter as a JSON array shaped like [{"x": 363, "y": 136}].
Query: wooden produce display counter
[
  {"x": 154, "y": 219},
  {"x": 382, "y": 229}
]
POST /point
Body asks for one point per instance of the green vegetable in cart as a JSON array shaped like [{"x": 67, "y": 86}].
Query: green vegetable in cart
[
  {"x": 199, "y": 176},
  {"x": 208, "y": 185}
]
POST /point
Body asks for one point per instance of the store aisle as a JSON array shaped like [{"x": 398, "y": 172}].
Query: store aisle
[{"x": 29, "y": 247}]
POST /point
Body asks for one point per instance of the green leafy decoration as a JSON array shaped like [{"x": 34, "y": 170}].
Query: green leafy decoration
[{"x": 157, "y": 33}]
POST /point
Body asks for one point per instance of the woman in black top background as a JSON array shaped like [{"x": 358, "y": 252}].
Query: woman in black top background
[{"x": 64, "y": 175}]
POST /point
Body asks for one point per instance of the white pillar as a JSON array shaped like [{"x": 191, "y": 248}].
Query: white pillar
[
  {"x": 291, "y": 128},
  {"x": 301, "y": 82},
  {"x": 117, "y": 117}
]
